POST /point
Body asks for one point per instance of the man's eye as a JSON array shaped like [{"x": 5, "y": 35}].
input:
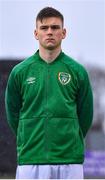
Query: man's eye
[
  {"x": 54, "y": 27},
  {"x": 44, "y": 27}
]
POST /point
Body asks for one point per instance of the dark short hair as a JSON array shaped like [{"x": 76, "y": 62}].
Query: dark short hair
[{"x": 49, "y": 12}]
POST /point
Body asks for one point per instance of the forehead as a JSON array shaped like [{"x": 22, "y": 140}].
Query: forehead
[{"x": 49, "y": 21}]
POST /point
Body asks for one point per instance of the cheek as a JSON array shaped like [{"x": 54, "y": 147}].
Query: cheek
[
  {"x": 40, "y": 37},
  {"x": 59, "y": 36}
]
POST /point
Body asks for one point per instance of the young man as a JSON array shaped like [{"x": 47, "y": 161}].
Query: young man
[{"x": 49, "y": 106}]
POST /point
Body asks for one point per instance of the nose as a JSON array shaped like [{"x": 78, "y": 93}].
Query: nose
[{"x": 49, "y": 31}]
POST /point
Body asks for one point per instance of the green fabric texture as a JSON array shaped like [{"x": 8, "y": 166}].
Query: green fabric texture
[{"x": 49, "y": 107}]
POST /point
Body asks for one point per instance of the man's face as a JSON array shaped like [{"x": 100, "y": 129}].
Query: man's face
[{"x": 50, "y": 33}]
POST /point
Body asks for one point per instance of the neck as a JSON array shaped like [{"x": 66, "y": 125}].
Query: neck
[{"x": 49, "y": 55}]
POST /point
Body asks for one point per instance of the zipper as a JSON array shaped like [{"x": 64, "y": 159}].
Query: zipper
[{"x": 47, "y": 113}]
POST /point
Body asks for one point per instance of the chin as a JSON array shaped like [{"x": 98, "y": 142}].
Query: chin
[{"x": 50, "y": 48}]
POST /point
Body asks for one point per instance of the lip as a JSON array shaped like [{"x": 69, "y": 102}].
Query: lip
[{"x": 50, "y": 39}]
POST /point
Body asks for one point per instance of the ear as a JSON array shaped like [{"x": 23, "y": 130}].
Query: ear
[
  {"x": 36, "y": 34},
  {"x": 64, "y": 33}
]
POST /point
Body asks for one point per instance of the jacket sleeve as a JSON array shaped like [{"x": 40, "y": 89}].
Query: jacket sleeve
[
  {"x": 12, "y": 102},
  {"x": 85, "y": 103}
]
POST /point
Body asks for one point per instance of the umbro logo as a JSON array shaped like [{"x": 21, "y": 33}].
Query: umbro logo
[{"x": 31, "y": 80}]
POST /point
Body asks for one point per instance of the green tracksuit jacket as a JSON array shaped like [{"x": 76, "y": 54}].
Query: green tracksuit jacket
[{"x": 50, "y": 109}]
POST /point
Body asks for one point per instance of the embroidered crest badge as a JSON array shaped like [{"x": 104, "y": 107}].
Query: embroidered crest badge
[{"x": 64, "y": 78}]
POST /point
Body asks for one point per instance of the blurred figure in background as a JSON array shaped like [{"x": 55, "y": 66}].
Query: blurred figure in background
[{"x": 49, "y": 106}]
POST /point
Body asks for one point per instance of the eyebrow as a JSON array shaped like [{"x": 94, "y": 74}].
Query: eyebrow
[{"x": 51, "y": 26}]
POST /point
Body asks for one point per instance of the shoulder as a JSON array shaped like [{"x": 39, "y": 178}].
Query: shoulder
[
  {"x": 75, "y": 66},
  {"x": 24, "y": 65}
]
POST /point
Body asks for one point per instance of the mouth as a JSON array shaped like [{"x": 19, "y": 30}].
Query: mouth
[{"x": 50, "y": 39}]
